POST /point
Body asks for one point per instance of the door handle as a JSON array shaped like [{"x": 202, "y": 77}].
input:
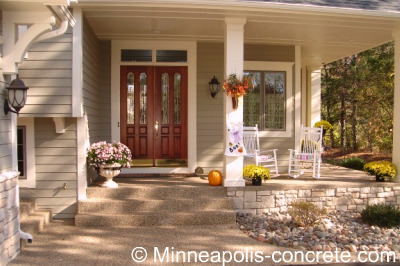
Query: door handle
[{"x": 156, "y": 127}]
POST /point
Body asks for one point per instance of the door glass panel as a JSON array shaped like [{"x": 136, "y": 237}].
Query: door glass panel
[
  {"x": 130, "y": 99},
  {"x": 143, "y": 98},
  {"x": 164, "y": 98},
  {"x": 171, "y": 56},
  {"x": 136, "y": 55},
  {"x": 177, "y": 99}
]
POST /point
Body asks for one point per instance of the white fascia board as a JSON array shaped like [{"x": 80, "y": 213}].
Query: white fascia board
[{"x": 246, "y": 5}]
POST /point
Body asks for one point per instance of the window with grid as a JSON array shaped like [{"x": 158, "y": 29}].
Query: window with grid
[{"x": 265, "y": 105}]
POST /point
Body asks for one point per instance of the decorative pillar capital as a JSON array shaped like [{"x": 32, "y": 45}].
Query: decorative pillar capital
[{"x": 235, "y": 23}]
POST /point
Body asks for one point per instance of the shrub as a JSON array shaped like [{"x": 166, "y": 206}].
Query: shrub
[
  {"x": 353, "y": 163},
  {"x": 306, "y": 213},
  {"x": 387, "y": 216},
  {"x": 381, "y": 169},
  {"x": 254, "y": 172}
]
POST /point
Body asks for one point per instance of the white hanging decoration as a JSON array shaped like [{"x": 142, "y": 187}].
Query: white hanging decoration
[{"x": 234, "y": 140}]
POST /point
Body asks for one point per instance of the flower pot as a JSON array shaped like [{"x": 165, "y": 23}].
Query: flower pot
[
  {"x": 109, "y": 171},
  {"x": 235, "y": 102},
  {"x": 380, "y": 179},
  {"x": 256, "y": 182}
]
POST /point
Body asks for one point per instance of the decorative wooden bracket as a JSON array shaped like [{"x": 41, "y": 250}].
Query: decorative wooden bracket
[{"x": 60, "y": 124}]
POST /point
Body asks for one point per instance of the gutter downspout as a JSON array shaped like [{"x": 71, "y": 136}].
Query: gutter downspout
[{"x": 22, "y": 234}]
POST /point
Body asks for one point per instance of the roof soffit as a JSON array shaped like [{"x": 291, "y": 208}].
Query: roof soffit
[{"x": 325, "y": 35}]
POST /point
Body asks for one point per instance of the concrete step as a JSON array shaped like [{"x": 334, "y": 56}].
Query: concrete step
[
  {"x": 110, "y": 206},
  {"x": 159, "y": 218},
  {"x": 34, "y": 223},
  {"x": 26, "y": 207},
  {"x": 156, "y": 192}
]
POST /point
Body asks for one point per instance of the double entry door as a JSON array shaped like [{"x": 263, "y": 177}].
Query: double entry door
[{"x": 154, "y": 114}]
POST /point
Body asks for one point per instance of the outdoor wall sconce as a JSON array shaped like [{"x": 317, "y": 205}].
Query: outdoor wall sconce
[
  {"x": 213, "y": 86},
  {"x": 16, "y": 96}
]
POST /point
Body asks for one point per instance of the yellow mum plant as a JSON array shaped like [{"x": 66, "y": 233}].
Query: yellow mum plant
[
  {"x": 381, "y": 169},
  {"x": 325, "y": 124},
  {"x": 255, "y": 172}
]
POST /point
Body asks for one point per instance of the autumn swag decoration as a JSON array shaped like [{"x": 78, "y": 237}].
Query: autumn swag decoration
[{"x": 236, "y": 87}]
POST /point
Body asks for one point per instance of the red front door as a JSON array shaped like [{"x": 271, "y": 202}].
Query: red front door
[{"x": 154, "y": 114}]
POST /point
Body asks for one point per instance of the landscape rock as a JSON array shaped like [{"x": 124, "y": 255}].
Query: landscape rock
[{"x": 339, "y": 230}]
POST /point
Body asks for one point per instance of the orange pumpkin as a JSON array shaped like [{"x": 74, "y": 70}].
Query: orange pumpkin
[{"x": 215, "y": 178}]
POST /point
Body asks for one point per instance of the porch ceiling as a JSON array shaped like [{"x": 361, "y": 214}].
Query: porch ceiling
[{"x": 325, "y": 34}]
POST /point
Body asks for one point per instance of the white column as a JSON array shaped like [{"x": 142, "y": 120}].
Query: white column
[
  {"x": 234, "y": 57},
  {"x": 82, "y": 144},
  {"x": 77, "y": 79},
  {"x": 396, "y": 111},
  {"x": 297, "y": 96},
  {"x": 315, "y": 97}
]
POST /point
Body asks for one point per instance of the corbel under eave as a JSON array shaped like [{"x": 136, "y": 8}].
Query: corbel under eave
[{"x": 60, "y": 124}]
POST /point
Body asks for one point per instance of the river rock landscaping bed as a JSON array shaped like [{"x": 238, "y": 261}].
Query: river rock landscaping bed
[{"x": 338, "y": 230}]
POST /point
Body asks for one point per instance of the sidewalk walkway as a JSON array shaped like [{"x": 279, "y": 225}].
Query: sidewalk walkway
[{"x": 64, "y": 244}]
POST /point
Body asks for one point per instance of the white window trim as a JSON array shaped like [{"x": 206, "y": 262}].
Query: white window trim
[
  {"x": 30, "y": 181},
  {"x": 277, "y": 66}
]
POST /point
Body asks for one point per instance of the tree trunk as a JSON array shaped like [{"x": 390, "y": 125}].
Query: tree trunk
[
  {"x": 342, "y": 120},
  {"x": 354, "y": 126}
]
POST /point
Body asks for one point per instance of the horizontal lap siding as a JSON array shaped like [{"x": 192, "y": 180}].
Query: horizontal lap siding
[
  {"x": 210, "y": 122},
  {"x": 5, "y": 131},
  {"x": 5, "y": 138},
  {"x": 48, "y": 73},
  {"x": 55, "y": 156},
  {"x": 96, "y": 85},
  {"x": 273, "y": 53}
]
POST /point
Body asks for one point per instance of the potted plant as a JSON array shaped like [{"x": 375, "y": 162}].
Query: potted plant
[
  {"x": 236, "y": 87},
  {"x": 108, "y": 158},
  {"x": 256, "y": 173},
  {"x": 382, "y": 170},
  {"x": 325, "y": 125}
]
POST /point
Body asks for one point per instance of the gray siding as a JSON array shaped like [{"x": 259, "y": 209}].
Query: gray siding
[
  {"x": 210, "y": 146},
  {"x": 96, "y": 85},
  {"x": 210, "y": 120},
  {"x": 275, "y": 53},
  {"x": 48, "y": 73},
  {"x": 5, "y": 135},
  {"x": 5, "y": 125},
  {"x": 55, "y": 156}
]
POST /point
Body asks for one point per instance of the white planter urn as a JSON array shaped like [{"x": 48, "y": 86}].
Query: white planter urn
[{"x": 109, "y": 171}]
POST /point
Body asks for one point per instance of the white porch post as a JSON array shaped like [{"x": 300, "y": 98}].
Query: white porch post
[
  {"x": 297, "y": 96},
  {"x": 396, "y": 111},
  {"x": 234, "y": 56},
  {"x": 314, "y": 97}
]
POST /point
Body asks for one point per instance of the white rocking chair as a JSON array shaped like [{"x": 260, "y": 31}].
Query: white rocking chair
[
  {"x": 310, "y": 152},
  {"x": 266, "y": 158}
]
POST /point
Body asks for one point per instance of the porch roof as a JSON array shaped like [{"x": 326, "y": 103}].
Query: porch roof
[
  {"x": 387, "y": 5},
  {"x": 324, "y": 33}
]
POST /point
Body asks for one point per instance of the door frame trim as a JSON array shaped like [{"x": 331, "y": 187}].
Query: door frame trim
[{"x": 191, "y": 48}]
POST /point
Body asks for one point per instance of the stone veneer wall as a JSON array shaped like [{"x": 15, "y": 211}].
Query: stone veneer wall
[
  {"x": 262, "y": 199},
  {"x": 9, "y": 217}
]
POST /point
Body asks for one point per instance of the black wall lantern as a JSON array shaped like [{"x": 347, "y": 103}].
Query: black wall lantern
[
  {"x": 214, "y": 86},
  {"x": 16, "y": 96}
]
